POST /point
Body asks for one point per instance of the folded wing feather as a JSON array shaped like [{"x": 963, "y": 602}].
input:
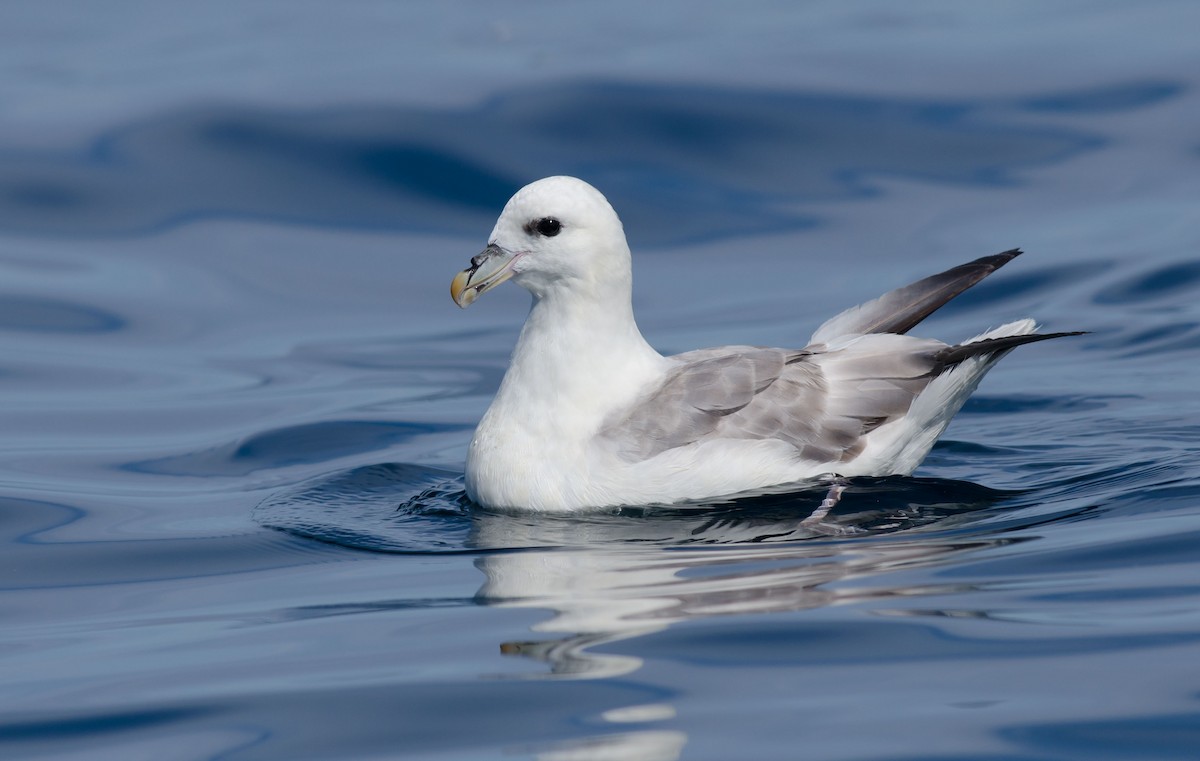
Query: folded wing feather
[
  {"x": 858, "y": 373},
  {"x": 820, "y": 402}
]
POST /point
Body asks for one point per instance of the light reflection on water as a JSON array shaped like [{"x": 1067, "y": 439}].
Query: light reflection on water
[{"x": 603, "y": 596}]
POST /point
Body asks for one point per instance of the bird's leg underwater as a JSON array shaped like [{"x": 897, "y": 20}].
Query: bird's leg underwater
[
  {"x": 832, "y": 497},
  {"x": 817, "y": 523}
]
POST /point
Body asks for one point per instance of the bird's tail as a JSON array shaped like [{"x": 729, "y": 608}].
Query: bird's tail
[
  {"x": 960, "y": 369},
  {"x": 990, "y": 343}
]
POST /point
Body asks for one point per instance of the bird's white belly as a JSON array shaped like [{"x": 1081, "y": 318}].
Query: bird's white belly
[
  {"x": 510, "y": 465},
  {"x": 516, "y": 470}
]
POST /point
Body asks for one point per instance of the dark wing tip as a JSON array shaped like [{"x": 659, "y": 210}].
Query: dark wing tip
[
  {"x": 996, "y": 261},
  {"x": 934, "y": 292},
  {"x": 986, "y": 265},
  {"x": 899, "y": 310},
  {"x": 952, "y": 355}
]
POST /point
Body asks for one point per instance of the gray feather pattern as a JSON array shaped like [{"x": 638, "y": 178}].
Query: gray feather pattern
[
  {"x": 743, "y": 392},
  {"x": 823, "y": 401}
]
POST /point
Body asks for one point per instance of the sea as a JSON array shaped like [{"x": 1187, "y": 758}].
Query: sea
[{"x": 235, "y": 396}]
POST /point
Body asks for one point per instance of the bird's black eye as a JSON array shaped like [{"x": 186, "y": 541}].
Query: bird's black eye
[{"x": 548, "y": 226}]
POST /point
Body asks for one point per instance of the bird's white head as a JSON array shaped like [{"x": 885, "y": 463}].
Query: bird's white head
[{"x": 558, "y": 232}]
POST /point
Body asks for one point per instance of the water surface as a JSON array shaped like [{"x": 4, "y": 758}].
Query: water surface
[{"x": 235, "y": 399}]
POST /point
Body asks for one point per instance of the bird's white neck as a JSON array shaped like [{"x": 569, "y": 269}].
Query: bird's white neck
[
  {"x": 578, "y": 348},
  {"x": 578, "y": 359}
]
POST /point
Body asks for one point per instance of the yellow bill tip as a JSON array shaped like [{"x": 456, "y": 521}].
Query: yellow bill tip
[{"x": 462, "y": 295}]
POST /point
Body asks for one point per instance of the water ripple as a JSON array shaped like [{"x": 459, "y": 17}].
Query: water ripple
[
  {"x": 688, "y": 162},
  {"x": 399, "y": 507}
]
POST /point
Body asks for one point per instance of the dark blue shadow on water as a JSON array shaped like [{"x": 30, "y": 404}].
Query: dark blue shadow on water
[
  {"x": 1107, "y": 99},
  {"x": 1171, "y": 736},
  {"x": 372, "y": 720},
  {"x": 292, "y": 445},
  {"x": 1182, "y": 278},
  {"x": 683, "y": 163},
  {"x": 26, "y": 313},
  {"x": 36, "y": 558}
]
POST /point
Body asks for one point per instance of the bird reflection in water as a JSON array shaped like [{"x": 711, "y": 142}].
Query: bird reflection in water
[
  {"x": 630, "y": 573},
  {"x": 612, "y": 576}
]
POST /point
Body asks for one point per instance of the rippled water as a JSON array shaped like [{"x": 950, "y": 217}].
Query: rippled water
[{"x": 235, "y": 398}]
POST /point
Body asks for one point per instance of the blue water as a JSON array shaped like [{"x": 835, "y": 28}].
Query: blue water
[{"x": 235, "y": 397}]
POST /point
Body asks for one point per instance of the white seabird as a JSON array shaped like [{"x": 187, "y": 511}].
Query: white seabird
[{"x": 590, "y": 415}]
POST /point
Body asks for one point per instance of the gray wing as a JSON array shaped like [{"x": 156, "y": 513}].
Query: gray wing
[
  {"x": 821, "y": 402},
  {"x": 900, "y": 310}
]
